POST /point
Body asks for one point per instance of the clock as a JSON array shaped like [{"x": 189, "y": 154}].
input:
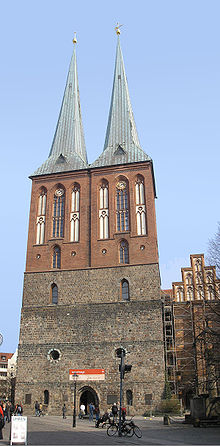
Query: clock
[{"x": 59, "y": 192}]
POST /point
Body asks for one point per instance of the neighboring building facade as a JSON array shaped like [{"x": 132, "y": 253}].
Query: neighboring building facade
[
  {"x": 8, "y": 362},
  {"x": 92, "y": 279},
  {"x": 191, "y": 317}
]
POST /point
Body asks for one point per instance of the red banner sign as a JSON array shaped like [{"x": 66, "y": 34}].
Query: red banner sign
[{"x": 87, "y": 374}]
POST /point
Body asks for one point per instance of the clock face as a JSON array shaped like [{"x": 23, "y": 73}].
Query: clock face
[
  {"x": 59, "y": 192},
  {"x": 121, "y": 185},
  {"x": 1, "y": 339}
]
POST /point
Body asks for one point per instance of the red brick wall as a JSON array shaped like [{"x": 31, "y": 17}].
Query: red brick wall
[{"x": 89, "y": 248}]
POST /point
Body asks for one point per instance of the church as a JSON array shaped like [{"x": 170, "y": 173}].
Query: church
[{"x": 92, "y": 281}]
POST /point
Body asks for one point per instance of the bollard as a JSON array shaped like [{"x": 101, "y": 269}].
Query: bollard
[{"x": 166, "y": 420}]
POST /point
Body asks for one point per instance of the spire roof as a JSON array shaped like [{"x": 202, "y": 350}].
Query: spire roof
[
  {"x": 68, "y": 151},
  {"x": 121, "y": 142}
]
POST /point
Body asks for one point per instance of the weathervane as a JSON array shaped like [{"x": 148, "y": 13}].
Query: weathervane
[
  {"x": 117, "y": 29},
  {"x": 74, "y": 38}
]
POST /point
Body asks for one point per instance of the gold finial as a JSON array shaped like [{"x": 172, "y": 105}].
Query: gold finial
[
  {"x": 117, "y": 29},
  {"x": 74, "y": 38}
]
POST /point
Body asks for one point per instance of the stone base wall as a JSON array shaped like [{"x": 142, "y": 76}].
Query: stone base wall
[{"x": 86, "y": 335}]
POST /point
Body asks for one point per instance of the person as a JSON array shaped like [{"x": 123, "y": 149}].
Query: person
[
  {"x": 40, "y": 409},
  {"x": 123, "y": 413},
  {"x": 64, "y": 411},
  {"x": 114, "y": 411},
  {"x": 2, "y": 423},
  {"x": 82, "y": 410},
  {"x": 36, "y": 406},
  {"x": 97, "y": 413},
  {"x": 5, "y": 412},
  {"x": 19, "y": 410},
  {"x": 12, "y": 409},
  {"x": 105, "y": 417},
  {"x": 91, "y": 410}
]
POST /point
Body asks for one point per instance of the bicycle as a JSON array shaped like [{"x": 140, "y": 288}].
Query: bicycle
[{"x": 128, "y": 428}]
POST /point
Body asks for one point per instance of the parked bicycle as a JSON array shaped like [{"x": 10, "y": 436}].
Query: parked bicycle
[{"x": 128, "y": 429}]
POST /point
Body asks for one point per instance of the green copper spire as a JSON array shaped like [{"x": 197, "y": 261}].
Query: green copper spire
[
  {"x": 121, "y": 142},
  {"x": 68, "y": 151}
]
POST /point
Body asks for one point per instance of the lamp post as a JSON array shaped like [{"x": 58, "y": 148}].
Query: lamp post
[{"x": 74, "y": 400}]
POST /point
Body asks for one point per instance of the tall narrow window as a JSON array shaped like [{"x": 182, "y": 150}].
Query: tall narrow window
[
  {"x": 103, "y": 211},
  {"x": 122, "y": 210},
  {"x": 41, "y": 215},
  {"x": 125, "y": 290},
  {"x": 58, "y": 213},
  {"x": 140, "y": 206},
  {"x": 46, "y": 397},
  {"x": 74, "y": 214},
  {"x": 56, "y": 257},
  {"x": 54, "y": 294},
  {"x": 123, "y": 252}
]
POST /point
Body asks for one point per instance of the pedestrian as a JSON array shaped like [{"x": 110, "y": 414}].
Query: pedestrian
[
  {"x": 12, "y": 409},
  {"x": 19, "y": 410},
  {"x": 2, "y": 423},
  {"x": 91, "y": 410},
  {"x": 64, "y": 411},
  {"x": 5, "y": 412},
  {"x": 97, "y": 413},
  {"x": 36, "y": 407},
  {"x": 123, "y": 413},
  {"x": 82, "y": 410},
  {"x": 114, "y": 412},
  {"x": 40, "y": 409}
]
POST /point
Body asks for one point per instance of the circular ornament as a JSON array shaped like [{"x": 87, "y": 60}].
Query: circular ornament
[
  {"x": 142, "y": 247},
  {"x": 104, "y": 251},
  {"x": 59, "y": 192},
  {"x": 121, "y": 185},
  {"x": 53, "y": 355}
]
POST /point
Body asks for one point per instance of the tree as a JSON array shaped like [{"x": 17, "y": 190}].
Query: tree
[{"x": 214, "y": 251}]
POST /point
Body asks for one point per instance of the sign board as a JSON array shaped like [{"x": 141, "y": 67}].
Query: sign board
[
  {"x": 18, "y": 430},
  {"x": 87, "y": 374}
]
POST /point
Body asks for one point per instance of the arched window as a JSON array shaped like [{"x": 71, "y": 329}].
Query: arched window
[
  {"x": 58, "y": 212},
  {"x": 179, "y": 294},
  {"x": 74, "y": 214},
  {"x": 125, "y": 290},
  {"x": 210, "y": 292},
  {"x": 56, "y": 257},
  {"x": 41, "y": 215},
  {"x": 54, "y": 294},
  {"x": 189, "y": 279},
  {"x": 129, "y": 397},
  {"x": 209, "y": 277},
  {"x": 200, "y": 292},
  {"x": 198, "y": 265},
  {"x": 122, "y": 206},
  {"x": 103, "y": 210},
  {"x": 46, "y": 397},
  {"x": 123, "y": 252},
  {"x": 189, "y": 293},
  {"x": 140, "y": 206}
]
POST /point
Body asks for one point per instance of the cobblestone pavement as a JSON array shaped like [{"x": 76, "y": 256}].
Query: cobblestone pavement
[{"x": 53, "y": 430}]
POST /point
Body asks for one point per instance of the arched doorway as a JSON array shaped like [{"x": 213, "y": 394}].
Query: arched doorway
[{"x": 88, "y": 395}]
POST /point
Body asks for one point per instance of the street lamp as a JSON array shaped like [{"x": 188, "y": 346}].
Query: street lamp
[
  {"x": 74, "y": 400},
  {"x": 123, "y": 368}
]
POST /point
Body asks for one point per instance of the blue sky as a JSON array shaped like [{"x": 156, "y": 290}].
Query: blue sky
[{"x": 171, "y": 54}]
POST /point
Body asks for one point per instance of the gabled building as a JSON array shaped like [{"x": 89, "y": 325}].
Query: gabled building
[
  {"x": 92, "y": 279},
  {"x": 191, "y": 318}
]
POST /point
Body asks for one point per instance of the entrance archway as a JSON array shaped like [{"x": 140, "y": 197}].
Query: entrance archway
[{"x": 88, "y": 395}]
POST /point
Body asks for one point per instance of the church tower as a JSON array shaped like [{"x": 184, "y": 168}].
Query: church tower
[{"x": 92, "y": 279}]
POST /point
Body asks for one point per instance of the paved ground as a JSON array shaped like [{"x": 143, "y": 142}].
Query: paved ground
[{"x": 53, "y": 430}]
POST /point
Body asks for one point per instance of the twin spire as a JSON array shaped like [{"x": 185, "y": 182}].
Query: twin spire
[{"x": 68, "y": 151}]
